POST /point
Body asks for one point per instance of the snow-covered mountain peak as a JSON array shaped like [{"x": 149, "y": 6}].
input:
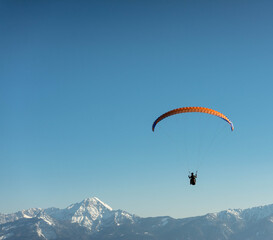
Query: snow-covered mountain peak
[
  {"x": 95, "y": 202},
  {"x": 88, "y": 213},
  {"x": 90, "y": 203}
]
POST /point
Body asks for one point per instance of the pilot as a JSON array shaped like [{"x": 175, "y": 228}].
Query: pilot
[{"x": 192, "y": 178}]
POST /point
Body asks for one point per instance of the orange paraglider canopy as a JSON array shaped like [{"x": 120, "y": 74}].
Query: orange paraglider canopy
[{"x": 192, "y": 109}]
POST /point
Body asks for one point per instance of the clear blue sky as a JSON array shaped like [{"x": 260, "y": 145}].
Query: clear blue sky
[{"x": 83, "y": 81}]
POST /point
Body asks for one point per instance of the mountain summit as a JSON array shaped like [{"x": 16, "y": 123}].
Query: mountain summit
[
  {"x": 93, "y": 219},
  {"x": 87, "y": 213}
]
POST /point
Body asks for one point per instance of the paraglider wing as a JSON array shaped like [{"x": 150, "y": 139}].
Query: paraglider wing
[{"x": 192, "y": 109}]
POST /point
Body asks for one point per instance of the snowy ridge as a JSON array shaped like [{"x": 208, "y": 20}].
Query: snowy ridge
[
  {"x": 258, "y": 213},
  {"x": 249, "y": 214},
  {"x": 30, "y": 213}
]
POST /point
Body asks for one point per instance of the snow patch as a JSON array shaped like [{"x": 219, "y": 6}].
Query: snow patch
[
  {"x": 6, "y": 236},
  {"x": 104, "y": 204},
  {"x": 26, "y": 216},
  {"x": 164, "y": 221},
  {"x": 39, "y": 231}
]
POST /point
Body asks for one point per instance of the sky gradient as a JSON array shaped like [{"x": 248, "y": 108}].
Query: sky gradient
[{"x": 81, "y": 83}]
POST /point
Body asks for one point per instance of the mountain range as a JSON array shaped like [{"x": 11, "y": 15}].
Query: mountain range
[{"x": 92, "y": 219}]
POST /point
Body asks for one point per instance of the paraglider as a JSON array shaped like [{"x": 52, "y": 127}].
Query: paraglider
[{"x": 193, "y": 176}]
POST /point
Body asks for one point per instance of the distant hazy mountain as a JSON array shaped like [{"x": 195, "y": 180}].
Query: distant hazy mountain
[{"x": 94, "y": 220}]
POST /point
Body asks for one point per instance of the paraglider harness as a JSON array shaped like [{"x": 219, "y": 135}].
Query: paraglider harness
[{"x": 192, "y": 178}]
